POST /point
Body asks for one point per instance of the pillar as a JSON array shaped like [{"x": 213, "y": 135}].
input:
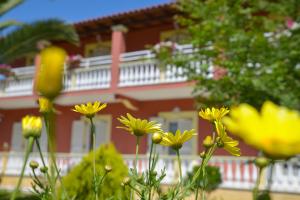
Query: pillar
[{"x": 117, "y": 48}]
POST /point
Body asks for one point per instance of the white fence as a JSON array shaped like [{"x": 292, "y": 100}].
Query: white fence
[{"x": 237, "y": 173}]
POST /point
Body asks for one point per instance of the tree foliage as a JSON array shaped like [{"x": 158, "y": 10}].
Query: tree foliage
[{"x": 256, "y": 45}]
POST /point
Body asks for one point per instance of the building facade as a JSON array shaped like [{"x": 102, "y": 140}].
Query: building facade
[{"x": 118, "y": 68}]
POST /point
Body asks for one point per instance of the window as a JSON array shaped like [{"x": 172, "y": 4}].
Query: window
[
  {"x": 98, "y": 49},
  {"x": 81, "y": 141},
  {"x": 171, "y": 121},
  {"x": 18, "y": 142}
]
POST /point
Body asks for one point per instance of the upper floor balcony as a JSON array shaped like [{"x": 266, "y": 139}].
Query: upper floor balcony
[{"x": 138, "y": 68}]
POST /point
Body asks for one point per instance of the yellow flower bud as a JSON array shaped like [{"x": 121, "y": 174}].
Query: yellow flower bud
[
  {"x": 126, "y": 181},
  {"x": 156, "y": 138},
  {"x": 202, "y": 154},
  {"x": 207, "y": 142},
  {"x": 44, "y": 170},
  {"x": 108, "y": 168},
  {"x": 49, "y": 78},
  {"x": 33, "y": 164},
  {"x": 261, "y": 162},
  {"x": 31, "y": 126}
]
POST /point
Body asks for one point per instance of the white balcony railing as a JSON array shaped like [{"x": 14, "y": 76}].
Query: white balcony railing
[
  {"x": 136, "y": 68},
  {"x": 93, "y": 73},
  {"x": 141, "y": 68},
  {"x": 237, "y": 173}
]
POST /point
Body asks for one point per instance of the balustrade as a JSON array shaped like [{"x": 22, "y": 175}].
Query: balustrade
[
  {"x": 93, "y": 73},
  {"x": 237, "y": 173}
]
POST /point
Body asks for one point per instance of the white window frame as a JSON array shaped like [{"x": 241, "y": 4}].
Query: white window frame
[
  {"x": 173, "y": 116},
  {"x": 107, "y": 118}
]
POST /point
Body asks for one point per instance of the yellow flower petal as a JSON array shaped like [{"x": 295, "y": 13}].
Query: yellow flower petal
[
  {"x": 275, "y": 130},
  {"x": 89, "y": 110}
]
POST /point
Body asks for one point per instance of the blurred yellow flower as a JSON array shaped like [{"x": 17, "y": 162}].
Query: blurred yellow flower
[
  {"x": 226, "y": 142},
  {"x": 176, "y": 140},
  {"x": 139, "y": 127},
  {"x": 50, "y": 72},
  {"x": 31, "y": 126},
  {"x": 213, "y": 114},
  {"x": 45, "y": 105},
  {"x": 89, "y": 109},
  {"x": 275, "y": 131}
]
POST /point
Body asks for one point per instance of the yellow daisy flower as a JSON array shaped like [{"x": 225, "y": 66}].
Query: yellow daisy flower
[
  {"x": 275, "y": 130},
  {"x": 226, "y": 142},
  {"x": 89, "y": 109},
  {"x": 176, "y": 140},
  {"x": 139, "y": 127},
  {"x": 213, "y": 114},
  {"x": 31, "y": 126}
]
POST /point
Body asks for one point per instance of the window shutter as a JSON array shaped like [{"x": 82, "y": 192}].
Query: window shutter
[
  {"x": 44, "y": 140},
  {"x": 186, "y": 124},
  {"x": 77, "y": 136},
  {"x": 102, "y": 134},
  {"x": 17, "y": 140},
  {"x": 86, "y": 136}
]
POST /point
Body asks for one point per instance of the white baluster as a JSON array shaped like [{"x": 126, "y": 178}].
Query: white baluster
[
  {"x": 229, "y": 173},
  {"x": 246, "y": 177},
  {"x": 238, "y": 175},
  {"x": 136, "y": 75}
]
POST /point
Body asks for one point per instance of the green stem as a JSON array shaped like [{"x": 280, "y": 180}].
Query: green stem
[
  {"x": 94, "y": 156},
  {"x": 202, "y": 168},
  {"x": 179, "y": 165},
  {"x": 56, "y": 169},
  {"x": 27, "y": 152},
  {"x": 197, "y": 190},
  {"x": 42, "y": 157},
  {"x": 136, "y": 152},
  {"x": 270, "y": 178},
  {"x": 149, "y": 170},
  {"x": 206, "y": 159},
  {"x": 150, "y": 159},
  {"x": 49, "y": 123},
  {"x": 135, "y": 163},
  {"x": 256, "y": 187}
]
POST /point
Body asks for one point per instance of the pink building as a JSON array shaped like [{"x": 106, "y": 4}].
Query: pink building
[{"x": 118, "y": 69}]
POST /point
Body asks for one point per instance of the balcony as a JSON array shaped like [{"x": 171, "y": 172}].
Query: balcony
[
  {"x": 237, "y": 173},
  {"x": 135, "y": 69}
]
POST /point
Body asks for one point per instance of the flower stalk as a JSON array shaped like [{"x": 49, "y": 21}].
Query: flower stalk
[
  {"x": 137, "y": 152},
  {"x": 93, "y": 133},
  {"x": 26, "y": 156},
  {"x": 179, "y": 165},
  {"x": 49, "y": 123},
  {"x": 255, "y": 190}
]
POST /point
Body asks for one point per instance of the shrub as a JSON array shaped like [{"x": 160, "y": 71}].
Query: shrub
[
  {"x": 5, "y": 195},
  {"x": 79, "y": 184},
  {"x": 213, "y": 178}
]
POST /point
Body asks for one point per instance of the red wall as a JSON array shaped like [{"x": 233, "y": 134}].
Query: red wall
[
  {"x": 124, "y": 142},
  {"x": 135, "y": 40}
]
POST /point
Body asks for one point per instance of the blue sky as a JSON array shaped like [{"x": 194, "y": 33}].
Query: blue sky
[{"x": 74, "y": 10}]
